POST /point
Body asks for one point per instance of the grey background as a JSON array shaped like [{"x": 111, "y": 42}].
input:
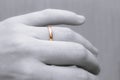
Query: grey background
[{"x": 102, "y": 26}]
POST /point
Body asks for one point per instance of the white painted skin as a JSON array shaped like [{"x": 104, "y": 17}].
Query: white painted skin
[{"x": 27, "y": 54}]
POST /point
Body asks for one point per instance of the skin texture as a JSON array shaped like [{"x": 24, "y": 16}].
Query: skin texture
[{"x": 27, "y": 54}]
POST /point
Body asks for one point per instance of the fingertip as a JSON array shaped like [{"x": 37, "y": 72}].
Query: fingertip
[{"x": 81, "y": 19}]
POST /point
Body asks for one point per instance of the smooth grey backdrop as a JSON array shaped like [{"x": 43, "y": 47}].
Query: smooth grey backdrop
[{"x": 102, "y": 26}]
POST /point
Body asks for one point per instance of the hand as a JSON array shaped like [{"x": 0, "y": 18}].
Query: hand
[{"x": 27, "y": 54}]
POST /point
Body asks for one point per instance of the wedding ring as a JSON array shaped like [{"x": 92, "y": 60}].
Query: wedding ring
[{"x": 50, "y": 33}]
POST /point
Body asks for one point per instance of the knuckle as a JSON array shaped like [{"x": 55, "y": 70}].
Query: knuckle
[
  {"x": 68, "y": 33},
  {"x": 10, "y": 22},
  {"x": 26, "y": 66},
  {"x": 80, "y": 52},
  {"x": 83, "y": 51},
  {"x": 48, "y": 12},
  {"x": 21, "y": 42}
]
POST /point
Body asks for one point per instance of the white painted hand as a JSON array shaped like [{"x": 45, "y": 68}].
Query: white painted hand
[{"x": 27, "y": 54}]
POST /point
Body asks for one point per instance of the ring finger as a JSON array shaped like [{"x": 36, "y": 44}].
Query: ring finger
[{"x": 60, "y": 34}]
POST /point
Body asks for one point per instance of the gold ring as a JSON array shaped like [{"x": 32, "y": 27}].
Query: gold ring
[{"x": 50, "y": 32}]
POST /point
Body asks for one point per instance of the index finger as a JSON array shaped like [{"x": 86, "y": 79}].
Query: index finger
[{"x": 51, "y": 17}]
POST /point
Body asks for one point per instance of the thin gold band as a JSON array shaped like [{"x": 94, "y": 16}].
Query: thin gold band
[{"x": 50, "y": 32}]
